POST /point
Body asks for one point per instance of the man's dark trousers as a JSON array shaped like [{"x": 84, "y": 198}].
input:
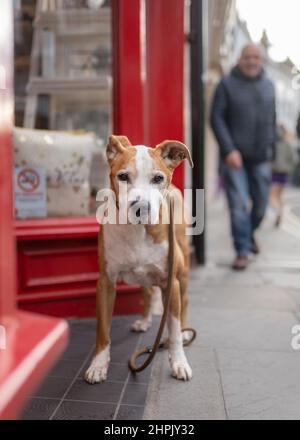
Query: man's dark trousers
[{"x": 247, "y": 192}]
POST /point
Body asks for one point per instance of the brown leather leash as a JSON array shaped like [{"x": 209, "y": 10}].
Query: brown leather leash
[{"x": 151, "y": 351}]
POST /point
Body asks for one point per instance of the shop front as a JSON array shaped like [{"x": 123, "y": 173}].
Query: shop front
[
  {"x": 71, "y": 73},
  {"x": 82, "y": 71}
]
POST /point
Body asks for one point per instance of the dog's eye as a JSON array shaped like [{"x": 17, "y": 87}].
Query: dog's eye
[
  {"x": 158, "y": 179},
  {"x": 123, "y": 177}
]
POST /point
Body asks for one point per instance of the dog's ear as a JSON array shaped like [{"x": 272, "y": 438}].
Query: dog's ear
[
  {"x": 124, "y": 141},
  {"x": 173, "y": 153},
  {"x": 116, "y": 145}
]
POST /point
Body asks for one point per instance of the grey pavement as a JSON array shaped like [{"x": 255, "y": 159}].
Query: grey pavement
[
  {"x": 243, "y": 363},
  {"x": 294, "y": 201}
]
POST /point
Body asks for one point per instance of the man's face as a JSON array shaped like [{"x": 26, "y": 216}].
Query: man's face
[{"x": 251, "y": 61}]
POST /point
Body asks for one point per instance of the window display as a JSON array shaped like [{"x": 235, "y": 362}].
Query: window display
[{"x": 63, "y": 84}]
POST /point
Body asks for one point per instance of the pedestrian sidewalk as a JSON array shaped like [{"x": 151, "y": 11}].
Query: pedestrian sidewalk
[{"x": 243, "y": 363}]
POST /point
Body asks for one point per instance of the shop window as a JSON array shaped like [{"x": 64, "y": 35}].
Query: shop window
[{"x": 63, "y": 105}]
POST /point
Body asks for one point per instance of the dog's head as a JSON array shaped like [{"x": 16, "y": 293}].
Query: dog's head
[{"x": 140, "y": 176}]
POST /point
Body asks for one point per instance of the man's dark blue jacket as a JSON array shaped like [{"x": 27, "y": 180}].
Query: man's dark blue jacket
[{"x": 244, "y": 116}]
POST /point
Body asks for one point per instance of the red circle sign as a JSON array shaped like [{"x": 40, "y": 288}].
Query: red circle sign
[{"x": 28, "y": 180}]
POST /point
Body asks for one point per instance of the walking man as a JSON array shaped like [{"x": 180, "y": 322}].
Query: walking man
[{"x": 244, "y": 122}]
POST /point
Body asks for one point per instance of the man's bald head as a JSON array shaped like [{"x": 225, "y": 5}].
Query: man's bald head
[{"x": 251, "y": 60}]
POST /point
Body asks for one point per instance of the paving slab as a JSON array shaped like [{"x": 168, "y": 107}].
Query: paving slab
[
  {"x": 200, "y": 399},
  {"x": 243, "y": 329},
  {"x": 245, "y": 298},
  {"x": 260, "y": 385}
]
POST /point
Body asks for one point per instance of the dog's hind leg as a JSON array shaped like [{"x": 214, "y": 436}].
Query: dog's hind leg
[
  {"x": 178, "y": 361},
  {"x": 184, "y": 303},
  {"x": 106, "y": 292},
  {"x": 142, "y": 325},
  {"x": 152, "y": 305},
  {"x": 184, "y": 299}
]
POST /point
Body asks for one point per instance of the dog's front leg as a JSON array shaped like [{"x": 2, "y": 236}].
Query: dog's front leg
[
  {"x": 178, "y": 361},
  {"x": 106, "y": 293}
]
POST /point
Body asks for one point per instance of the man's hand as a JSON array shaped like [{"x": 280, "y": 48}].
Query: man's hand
[{"x": 234, "y": 160}]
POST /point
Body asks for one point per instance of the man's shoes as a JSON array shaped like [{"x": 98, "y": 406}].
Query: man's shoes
[
  {"x": 240, "y": 263},
  {"x": 254, "y": 247}
]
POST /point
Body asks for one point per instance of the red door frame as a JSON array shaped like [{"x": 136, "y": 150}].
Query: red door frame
[
  {"x": 33, "y": 343},
  {"x": 152, "y": 112},
  {"x": 128, "y": 98},
  {"x": 7, "y": 244},
  {"x": 164, "y": 94}
]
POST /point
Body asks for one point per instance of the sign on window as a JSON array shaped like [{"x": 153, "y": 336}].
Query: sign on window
[{"x": 30, "y": 192}]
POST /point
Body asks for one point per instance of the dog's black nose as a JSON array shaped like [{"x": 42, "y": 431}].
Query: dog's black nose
[
  {"x": 134, "y": 202},
  {"x": 141, "y": 209}
]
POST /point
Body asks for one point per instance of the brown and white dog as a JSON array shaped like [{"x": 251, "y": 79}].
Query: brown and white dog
[{"x": 137, "y": 253}]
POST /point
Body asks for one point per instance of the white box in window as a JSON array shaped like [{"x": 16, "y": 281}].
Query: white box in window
[{"x": 67, "y": 159}]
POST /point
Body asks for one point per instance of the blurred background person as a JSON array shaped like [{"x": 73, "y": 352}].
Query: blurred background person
[
  {"x": 286, "y": 159},
  {"x": 243, "y": 119}
]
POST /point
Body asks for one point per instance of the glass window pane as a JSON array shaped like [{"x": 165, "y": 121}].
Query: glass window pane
[{"x": 63, "y": 105}]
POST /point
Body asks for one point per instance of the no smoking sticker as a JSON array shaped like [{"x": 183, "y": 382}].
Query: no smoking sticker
[
  {"x": 30, "y": 192},
  {"x": 28, "y": 180}
]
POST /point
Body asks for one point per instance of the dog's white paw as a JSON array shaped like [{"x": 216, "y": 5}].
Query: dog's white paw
[
  {"x": 185, "y": 337},
  {"x": 181, "y": 369},
  {"x": 96, "y": 374},
  {"x": 97, "y": 371},
  {"x": 141, "y": 325}
]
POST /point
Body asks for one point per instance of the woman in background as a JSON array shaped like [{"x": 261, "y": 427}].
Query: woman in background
[{"x": 283, "y": 166}]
